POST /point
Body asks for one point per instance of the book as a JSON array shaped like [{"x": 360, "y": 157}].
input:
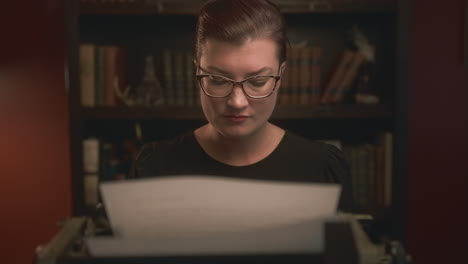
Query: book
[
  {"x": 190, "y": 87},
  {"x": 179, "y": 78},
  {"x": 102, "y": 71},
  {"x": 386, "y": 141},
  {"x": 294, "y": 76},
  {"x": 106, "y": 154},
  {"x": 120, "y": 79},
  {"x": 304, "y": 77},
  {"x": 91, "y": 189},
  {"x": 349, "y": 75},
  {"x": 90, "y": 155},
  {"x": 168, "y": 77},
  {"x": 362, "y": 177},
  {"x": 114, "y": 73},
  {"x": 99, "y": 75},
  {"x": 371, "y": 176},
  {"x": 86, "y": 58},
  {"x": 315, "y": 75},
  {"x": 351, "y": 154},
  {"x": 380, "y": 180},
  {"x": 284, "y": 92},
  {"x": 109, "y": 73},
  {"x": 336, "y": 76},
  {"x": 371, "y": 172}
]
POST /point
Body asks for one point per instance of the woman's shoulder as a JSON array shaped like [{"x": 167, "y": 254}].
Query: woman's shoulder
[
  {"x": 295, "y": 141},
  {"x": 314, "y": 150},
  {"x": 166, "y": 146}
]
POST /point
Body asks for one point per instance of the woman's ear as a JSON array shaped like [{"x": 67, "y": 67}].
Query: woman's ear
[
  {"x": 195, "y": 63},
  {"x": 282, "y": 67}
]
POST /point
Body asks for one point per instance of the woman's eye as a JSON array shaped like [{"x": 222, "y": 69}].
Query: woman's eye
[
  {"x": 258, "y": 82},
  {"x": 217, "y": 80}
]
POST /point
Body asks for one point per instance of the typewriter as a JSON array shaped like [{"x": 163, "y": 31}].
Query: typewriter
[{"x": 345, "y": 241}]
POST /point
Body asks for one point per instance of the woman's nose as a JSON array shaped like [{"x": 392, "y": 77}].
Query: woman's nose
[{"x": 237, "y": 98}]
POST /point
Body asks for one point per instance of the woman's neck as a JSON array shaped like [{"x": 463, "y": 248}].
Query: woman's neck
[{"x": 239, "y": 151}]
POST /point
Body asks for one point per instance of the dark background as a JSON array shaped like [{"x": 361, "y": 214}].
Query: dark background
[{"x": 35, "y": 181}]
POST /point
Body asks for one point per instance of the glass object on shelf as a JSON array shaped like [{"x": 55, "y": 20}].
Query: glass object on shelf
[
  {"x": 365, "y": 93},
  {"x": 148, "y": 93}
]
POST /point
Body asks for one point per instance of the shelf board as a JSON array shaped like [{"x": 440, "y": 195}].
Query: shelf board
[
  {"x": 293, "y": 112},
  {"x": 191, "y": 7},
  {"x": 337, "y": 111}
]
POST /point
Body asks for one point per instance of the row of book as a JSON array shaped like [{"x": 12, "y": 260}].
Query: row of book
[
  {"x": 103, "y": 69},
  {"x": 371, "y": 172},
  {"x": 104, "y": 80},
  {"x": 370, "y": 167},
  {"x": 343, "y": 76},
  {"x": 105, "y": 161},
  {"x": 180, "y": 85},
  {"x": 300, "y": 82},
  {"x": 169, "y": 78}
]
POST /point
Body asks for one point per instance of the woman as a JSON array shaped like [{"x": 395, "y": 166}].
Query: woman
[{"x": 240, "y": 48}]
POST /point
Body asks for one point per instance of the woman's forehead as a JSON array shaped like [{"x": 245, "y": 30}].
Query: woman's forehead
[{"x": 253, "y": 54}]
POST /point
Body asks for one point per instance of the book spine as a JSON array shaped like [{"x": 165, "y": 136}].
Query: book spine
[
  {"x": 336, "y": 76},
  {"x": 105, "y": 153},
  {"x": 349, "y": 76},
  {"x": 353, "y": 157},
  {"x": 91, "y": 189},
  {"x": 168, "y": 76},
  {"x": 371, "y": 175},
  {"x": 110, "y": 72},
  {"x": 99, "y": 75},
  {"x": 189, "y": 78},
  {"x": 295, "y": 76},
  {"x": 304, "y": 64},
  {"x": 90, "y": 155},
  {"x": 363, "y": 178},
  {"x": 87, "y": 75},
  {"x": 120, "y": 81},
  {"x": 91, "y": 169},
  {"x": 179, "y": 78},
  {"x": 380, "y": 180},
  {"x": 315, "y": 73},
  {"x": 286, "y": 80},
  {"x": 388, "y": 153}
]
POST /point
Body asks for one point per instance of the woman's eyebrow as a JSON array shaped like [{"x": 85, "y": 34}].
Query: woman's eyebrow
[
  {"x": 263, "y": 70},
  {"x": 213, "y": 69}
]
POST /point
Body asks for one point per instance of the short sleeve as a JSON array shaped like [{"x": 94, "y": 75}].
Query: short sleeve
[{"x": 337, "y": 171}]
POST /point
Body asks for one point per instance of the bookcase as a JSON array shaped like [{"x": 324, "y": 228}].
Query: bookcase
[{"x": 371, "y": 134}]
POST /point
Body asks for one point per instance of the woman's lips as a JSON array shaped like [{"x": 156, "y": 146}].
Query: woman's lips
[{"x": 236, "y": 118}]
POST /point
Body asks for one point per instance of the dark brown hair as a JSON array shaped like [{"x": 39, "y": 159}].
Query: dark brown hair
[{"x": 236, "y": 21}]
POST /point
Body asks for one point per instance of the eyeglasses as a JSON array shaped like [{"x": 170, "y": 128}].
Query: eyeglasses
[{"x": 255, "y": 87}]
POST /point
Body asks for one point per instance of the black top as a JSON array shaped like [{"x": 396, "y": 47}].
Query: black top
[{"x": 295, "y": 159}]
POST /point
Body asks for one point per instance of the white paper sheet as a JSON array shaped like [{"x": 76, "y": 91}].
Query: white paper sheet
[{"x": 214, "y": 215}]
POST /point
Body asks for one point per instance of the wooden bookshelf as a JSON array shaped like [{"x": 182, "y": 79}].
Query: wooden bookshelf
[
  {"x": 136, "y": 23},
  {"x": 181, "y": 7},
  {"x": 294, "y": 112}
]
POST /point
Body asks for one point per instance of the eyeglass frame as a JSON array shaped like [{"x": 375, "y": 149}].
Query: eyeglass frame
[{"x": 234, "y": 83}]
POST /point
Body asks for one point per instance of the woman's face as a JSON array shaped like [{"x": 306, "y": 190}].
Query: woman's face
[{"x": 238, "y": 115}]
